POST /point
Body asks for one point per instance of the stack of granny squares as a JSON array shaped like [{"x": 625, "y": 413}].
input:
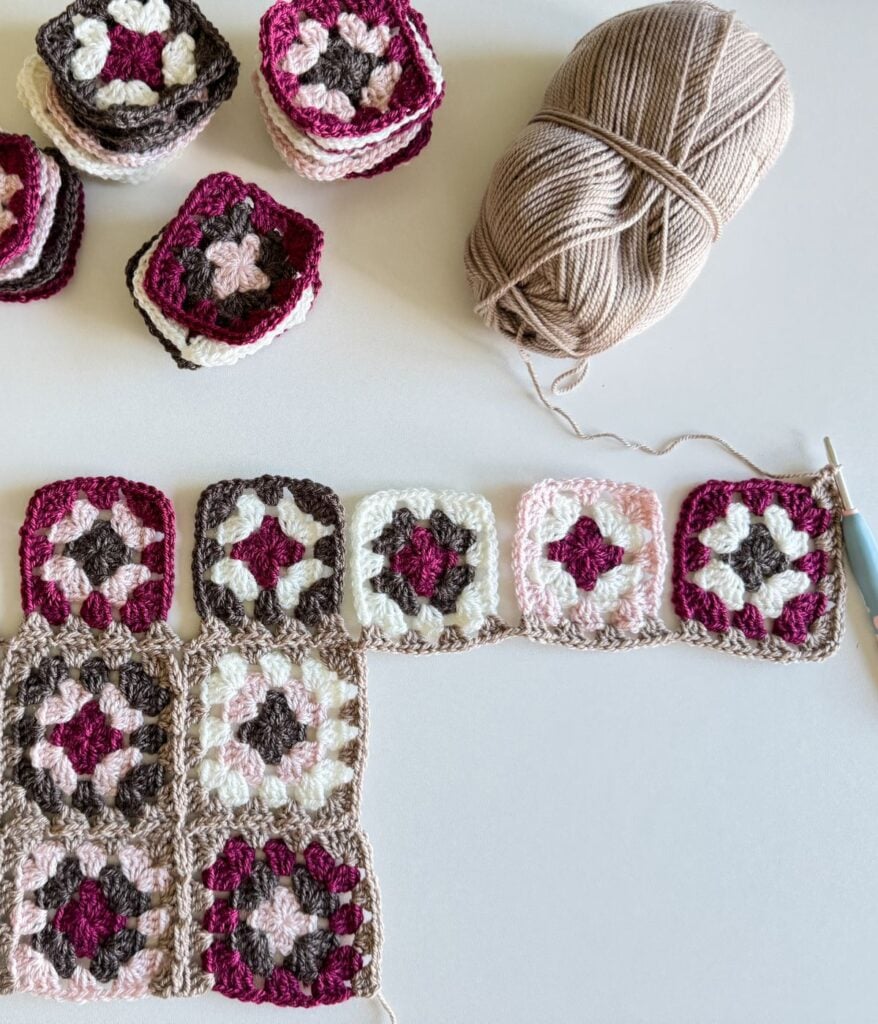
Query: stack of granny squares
[
  {"x": 41, "y": 219},
  {"x": 347, "y": 89},
  {"x": 232, "y": 271},
  {"x": 122, "y": 86}
]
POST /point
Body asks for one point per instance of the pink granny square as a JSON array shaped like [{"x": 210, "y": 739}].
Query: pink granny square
[
  {"x": 233, "y": 263},
  {"x": 589, "y": 563},
  {"x": 20, "y": 194},
  {"x": 101, "y": 545},
  {"x": 343, "y": 70}
]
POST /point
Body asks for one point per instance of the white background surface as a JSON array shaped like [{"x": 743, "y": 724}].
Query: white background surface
[{"x": 670, "y": 836}]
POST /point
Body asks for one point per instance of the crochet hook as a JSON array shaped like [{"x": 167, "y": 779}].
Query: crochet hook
[{"x": 862, "y": 549}]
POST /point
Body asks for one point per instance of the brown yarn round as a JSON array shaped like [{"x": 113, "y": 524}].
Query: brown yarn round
[{"x": 601, "y": 214}]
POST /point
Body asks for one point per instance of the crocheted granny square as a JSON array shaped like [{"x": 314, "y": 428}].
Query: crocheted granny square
[
  {"x": 269, "y": 550},
  {"x": 424, "y": 570},
  {"x": 231, "y": 272},
  {"x": 136, "y": 75},
  {"x": 347, "y": 89},
  {"x": 91, "y": 725},
  {"x": 757, "y": 568},
  {"x": 21, "y": 188},
  {"x": 278, "y": 728},
  {"x": 589, "y": 564},
  {"x": 288, "y": 918},
  {"x": 92, "y": 917},
  {"x": 99, "y": 547}
]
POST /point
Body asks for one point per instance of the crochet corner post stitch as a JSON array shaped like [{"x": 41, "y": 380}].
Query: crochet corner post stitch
[
  {"x": 285, "y": 904},
  {"x": 589, "y": 564},
  {"x": 758, "y": 569}
]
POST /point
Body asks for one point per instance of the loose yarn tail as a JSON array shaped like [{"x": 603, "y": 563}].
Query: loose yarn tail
[
  {"x": 386, "y": 1007},
  {"x": 571, "y": 379}
]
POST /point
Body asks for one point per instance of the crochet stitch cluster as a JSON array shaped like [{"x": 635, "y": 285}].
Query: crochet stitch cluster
[
  {"x": 122, "y": 86},
  {"x": 347, "y": 89},
  {"x": 42, "y": 214}
]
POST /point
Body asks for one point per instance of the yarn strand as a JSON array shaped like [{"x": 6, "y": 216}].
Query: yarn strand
[
  {"x": 386, "y": 1007},
  {"x": 642, "y": 446}
]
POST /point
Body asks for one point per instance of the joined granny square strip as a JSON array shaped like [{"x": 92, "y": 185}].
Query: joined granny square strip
[
  {"x": 589, "y": 564},
  {"x": 757, "y": 568},
  {"x": 424, "y": 571}
]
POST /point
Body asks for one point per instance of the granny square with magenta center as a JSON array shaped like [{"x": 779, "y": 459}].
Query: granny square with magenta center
[
  {"x": 269, "y": 549},
  {"x": 89, "y": 734},
  {"x": 234, "y": 263},
  {"x": 99, "y": 546},
  {"x": 589, "y": 554},
  {"x": 20, "y": 177},
  {"x": 94, "y": 919},
  {"x": 424, "y": 561},
  {"x": 342, "y": 70},
  {"x": 758, "y": 562}
]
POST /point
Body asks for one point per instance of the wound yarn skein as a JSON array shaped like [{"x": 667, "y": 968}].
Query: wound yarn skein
[{"x": 602, "y": 212}]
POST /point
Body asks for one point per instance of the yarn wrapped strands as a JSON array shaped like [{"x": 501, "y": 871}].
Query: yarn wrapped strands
[{"x": 600, "y": 215}]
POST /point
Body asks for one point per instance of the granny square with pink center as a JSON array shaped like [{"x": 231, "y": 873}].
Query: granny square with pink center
[
  {"x": 92, "y": 919},
  {"x": 290, "y": 920},
  {"x": 589, "y": 561},
  {"x": 346, "y": 69},
  {"x": 269, "y": 550},
  {"x": 757, "y": 568},
  {"x": 20, "y": 194},
  {"x": 99, "y": 547},
  {"x": 233, "y": 264}
]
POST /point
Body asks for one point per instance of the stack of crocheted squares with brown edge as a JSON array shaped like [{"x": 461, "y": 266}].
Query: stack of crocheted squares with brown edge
[
  {"x": 122, "y": 86},
  {"x": 232, "y": 271},
  {"x": 285, "y": 906},
  {"x": 42, "y": 212},
  {"x": 347, "y": 89}
]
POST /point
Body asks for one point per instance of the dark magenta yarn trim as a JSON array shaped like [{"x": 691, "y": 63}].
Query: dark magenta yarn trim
[
  {"x": 96, "y": 552},
  {"x": 756, "y": 559},
  {"x": 169, "y": 281},
  {"x": 19, "y": 156},
  {"x": 280, "y": 29}
]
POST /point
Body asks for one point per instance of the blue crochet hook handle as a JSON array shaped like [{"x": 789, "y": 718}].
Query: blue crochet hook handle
[{"x": 862, "y": 548}]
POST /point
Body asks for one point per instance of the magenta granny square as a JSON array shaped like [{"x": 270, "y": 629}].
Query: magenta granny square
[
  {"x": 233, "y": 263},
  {"x": 589, "y": 563},
  {"x": 758, "y": 568},
  {"x": 346, "y": 70},
  {"x": 99, "y": 546},
  {"x": 287, "y": 917},
  {"x": 20, "y": 194}
]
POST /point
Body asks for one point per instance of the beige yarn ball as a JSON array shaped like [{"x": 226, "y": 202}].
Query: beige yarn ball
[{"x": 601, "y": 214}]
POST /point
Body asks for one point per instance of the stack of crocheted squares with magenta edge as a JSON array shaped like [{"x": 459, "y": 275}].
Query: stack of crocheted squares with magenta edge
[
  {"x": 347, "y": 89},
  {"x": 42, "y": 213},
  {"x": 231, "y": 272},
  {"x": 92, "y": 732},
  {"x": 123, "y": 86},
  {"x": 589, "y": 564},
  {"x": 286, "y": 906}
]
